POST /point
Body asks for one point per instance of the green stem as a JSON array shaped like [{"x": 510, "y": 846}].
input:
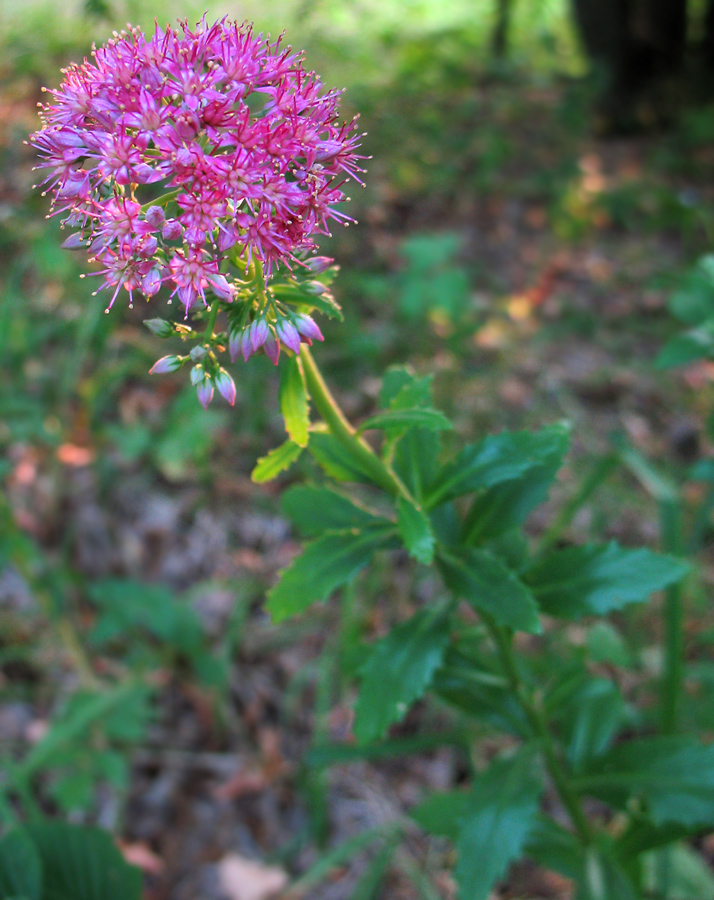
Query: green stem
[
  {"x": 212, "y": 313},
  {"x": 340, "y": 428},
  {"x": 555, "y": 766}
]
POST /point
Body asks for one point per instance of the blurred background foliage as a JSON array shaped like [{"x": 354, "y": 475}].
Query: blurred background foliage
[{"x": 535, "y": 266}]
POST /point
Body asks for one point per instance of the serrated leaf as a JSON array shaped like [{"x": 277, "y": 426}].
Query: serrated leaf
[
  {"x": 674, "y": 775},
  {"x": 494, "y": 828},
  {"x": 314, "y": 510},
  {"x": 553, "y": 847},
  {"x": 401, "y": 382},
  {"x": 335, "y": 459},
  {"x": 603, "y": 877},
  {"x": 592, "y": 718},
  {"x": 484, "y": 581},
  {"x": 415, "y": 459},
  {"x": 441, "y": 813},
  {"x": 399, "y": 670},
  {"x": 325, "y": 564},
  {"x": 401, "y": 419},
  {"x": 497, "y": 458},
  {"x": 415, "y": 531},
  {"x": 82, "y": 863},
  {"x": 681, "y": 875},
  {"x": 506, "y": 505},
  {"x": 480, "y": 693},
  {"x": 279, "y": 459},
  {"x": 20, "y": 867},
  {"x": 598, "y": 578},
  {"x": 293, "y": 401}
]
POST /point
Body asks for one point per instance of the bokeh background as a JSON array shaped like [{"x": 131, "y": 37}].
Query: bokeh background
[{"x": 516, "y": 239}]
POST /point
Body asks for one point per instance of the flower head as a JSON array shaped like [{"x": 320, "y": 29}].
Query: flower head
[{"x": 245, "y": 147}]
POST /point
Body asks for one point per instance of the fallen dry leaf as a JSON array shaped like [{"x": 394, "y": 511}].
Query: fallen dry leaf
[{"x": 246, "y": 879}]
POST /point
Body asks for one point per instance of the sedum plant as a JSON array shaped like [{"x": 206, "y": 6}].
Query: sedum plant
[{"x": 201, "y": 164}]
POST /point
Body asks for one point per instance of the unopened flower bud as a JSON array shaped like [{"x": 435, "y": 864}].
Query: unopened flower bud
[
  {"x": 258, "y": 334},
  {"x": 234, "y": 344},
  {"x": 319, "y": 264},
  {"x": 307, "y": 328},
  {"x": 221, "y": 287},
  {"x": 316, "y": 288},
  {"x": 198, "y": 373},
  {"x": 272, "y": 347},
  {"x": 151, "y": 282},
  {"x": 160, "y": 327},
  {"x": 166, "y": 365},
  {"x": 226, "y": 386},
  {"x": 172, "y": 230},
  {"x": 197, "y": 353},
  {"x": 204, "y": 392},
  {"x": 155, "y": 216},
  {"x": 74, "y": 242},
  {"x": 288, "y": 334}
]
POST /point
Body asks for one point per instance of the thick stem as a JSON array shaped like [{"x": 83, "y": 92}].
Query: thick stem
[
  {"x": 340, "y": 428},
  {"x": 566, "y": 792}
]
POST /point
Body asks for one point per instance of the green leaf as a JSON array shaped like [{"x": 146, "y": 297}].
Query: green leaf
[
  {"x": 396, "y": 419},
  {"x": 597, "y": 578},
  {"x": 673, "y": 775},
  {"x": 693, "y": 301},
  {"x": 480, "y": 693},
  {"x": 20, "y": 867},
  {"x": 399, "y": 670},
  {"x": 326, "y": 564},
  {"x": 416, "y": 392},
  {"x": 603, "y": 878},
  {"x": 314, "y": 510},
  {"x": 497, "y": 458},
  {"x": 441, "y": 813},
  {"x": 484, "y": 581},
  {"x": 82, "y": 863},
  {"x": 553, "y": 847},
  {"x": 501, "y": 811},
  {"x": 506, "y": 505},
  {"x": 688, "y": 347},
  {"x": 415, "y": 530},
  {"x": 395, "y": 378},
  {"x": 679, "y": 874},
  {"x": 293, "y": 401},
  {"x": 593, "y": 718},
  {"x": 416, "y": 458},
  {"x": 279, "y": 459},
  {"x": 335, "y": 459},
  {"x": 605, "y": 644}
]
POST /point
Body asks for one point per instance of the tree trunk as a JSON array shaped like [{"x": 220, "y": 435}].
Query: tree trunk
[
  {"x": 638, "y": 48},
  {"x": 501, "y": 30}
]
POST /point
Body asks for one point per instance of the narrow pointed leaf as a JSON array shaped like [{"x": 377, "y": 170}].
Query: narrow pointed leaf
[
  {"x": 20, "y": 867},
  {"x": 501, "y": 457},
  {"x": 326, "y": 564},
  {"x": 599, "y": 578},
  {"x": 484, "y": 581},
  {"x": 314, "y": 510},
  {"x": 335, "y": 459},
  {"x": 82, "y": 863},
  {"x": 674, "y": 776},
  {"x": 293, "y": 400},
  {"x": 279, "y": 459},
  {"x": 401, "y": 419},
  {"x": 399, "y": 670},
  {"x": 415, "y": 530},
  {"x": 500, "y": 814}
]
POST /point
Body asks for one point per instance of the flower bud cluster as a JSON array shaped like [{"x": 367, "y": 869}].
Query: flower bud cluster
[{"x": 245, "y": 144}]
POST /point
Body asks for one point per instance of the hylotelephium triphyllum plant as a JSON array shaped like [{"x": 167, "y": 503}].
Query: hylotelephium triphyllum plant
[{"x": 203, "y": 163}]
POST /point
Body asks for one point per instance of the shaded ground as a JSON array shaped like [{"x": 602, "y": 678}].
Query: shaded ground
[{"x": 568, "y": 247}]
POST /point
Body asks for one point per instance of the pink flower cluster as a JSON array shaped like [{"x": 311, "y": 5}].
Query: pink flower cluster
[{"x": 245, "y": 142}]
